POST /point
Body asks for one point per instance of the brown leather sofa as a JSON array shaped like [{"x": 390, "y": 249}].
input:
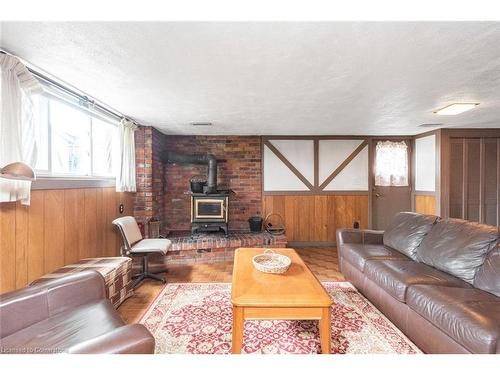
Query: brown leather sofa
[
  {"x": 70, "y": 314},
  {"x": 437, "y": 280}
]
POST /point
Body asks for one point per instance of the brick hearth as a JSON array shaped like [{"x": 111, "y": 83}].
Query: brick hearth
[{"x": 208, "y": 247}]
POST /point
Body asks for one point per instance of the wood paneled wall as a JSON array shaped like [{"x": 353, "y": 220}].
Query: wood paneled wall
[
  {"x": 315, "y": 218},
  {"x": 58, "y": 228},
  {"x": 425, "y": 204},
  {"x": 474, "y": 173}
]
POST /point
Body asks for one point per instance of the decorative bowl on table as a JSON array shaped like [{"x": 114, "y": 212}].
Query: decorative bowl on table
[{"x": 271, "y": 262}]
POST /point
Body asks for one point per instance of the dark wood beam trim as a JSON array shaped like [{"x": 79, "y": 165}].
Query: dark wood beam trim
[
  {"x": 482, "y": 215},
  {"x": 371, "y": 180},
  {"x": 285, "y": 161},
  {"x": 424, "y": 192},
  {"x": 325, "y": 192},
  {"x": 412, "y": 179},
  {"x": 438, "y": 173},
  {"x": 465, "y": 170},
  {"x": 316, "y": 162},
  {"x": 498, "y": 182},
  {"x": 473, "y": 133},
  {"x": 344, "y": 164}
]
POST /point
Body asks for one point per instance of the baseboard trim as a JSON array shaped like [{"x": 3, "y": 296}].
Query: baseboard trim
[{"x": 311, "y": 244}]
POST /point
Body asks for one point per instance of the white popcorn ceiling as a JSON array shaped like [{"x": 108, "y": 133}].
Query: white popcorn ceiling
[{"x": 275, "y": 78}]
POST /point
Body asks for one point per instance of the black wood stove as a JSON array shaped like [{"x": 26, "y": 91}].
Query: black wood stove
[{"x": 209, "y": 209}]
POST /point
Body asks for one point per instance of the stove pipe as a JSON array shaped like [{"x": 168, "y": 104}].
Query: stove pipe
[{"x": 208, "y": 159}]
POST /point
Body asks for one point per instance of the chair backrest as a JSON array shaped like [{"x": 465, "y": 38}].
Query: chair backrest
[{"x": 129, "y": 230}]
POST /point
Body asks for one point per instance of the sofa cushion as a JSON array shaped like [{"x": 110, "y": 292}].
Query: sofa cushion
[
  {"x": 470, "y": 316},
  {"x": 407, "y": 230},
  {"x": 61, "y": 331},
  {"x": 358, "y": 254},
  {"x": 488, "y": 275},
  {"x": 458, "y": 247},
  {"x": 395, "y": 276}
]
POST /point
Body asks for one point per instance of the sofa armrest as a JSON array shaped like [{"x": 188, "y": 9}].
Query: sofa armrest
[
  {"x": 357, "y": 236},
  {"x": 130, "y": 339},
  {"x": 23, "y": 307},
  {"x": 77, "y": 289},
  {"x": 360, "y": 236}
]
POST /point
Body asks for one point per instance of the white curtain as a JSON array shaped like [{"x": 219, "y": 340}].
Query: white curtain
[
  {"x": 125, "y": 180},
  {"x": 17, "y": 136},
  {"x": 391, "y": 164}
]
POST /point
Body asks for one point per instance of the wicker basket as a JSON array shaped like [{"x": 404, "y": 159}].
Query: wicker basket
[
  {"x": 275, "y": 229},
  {"x": 271, "y": 262}
]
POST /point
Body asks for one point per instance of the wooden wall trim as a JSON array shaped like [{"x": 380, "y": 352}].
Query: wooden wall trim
[
  {"x": 472, "y": 133},
  {"x": 412, "y": 179},
  {"x": 316, "y": 163},
  {"x": 312, "y": 137},
  {"x": 315, "y": 188},
  {"x": 498, "y": 182},
  {"x": 422, "y": 192},
  {"x": 344, "y": 164},
  {"x": 465, "y": 169},
  {"x": 289, "y": 165},
  {"x": 323, "y": 192},
  {"x": 50, "y": 183},
  {"x": 482, "y": 188},
  {"x": 371, "y": 181},
  {"x": 444, "y": 168},
  {"x": 438, "y": 179}
]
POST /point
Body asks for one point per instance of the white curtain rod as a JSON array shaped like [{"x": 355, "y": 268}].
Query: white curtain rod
[{"x": 81, "y": 97}]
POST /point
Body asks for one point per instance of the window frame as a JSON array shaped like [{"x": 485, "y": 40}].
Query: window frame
[{"x": 48, "y": 174}]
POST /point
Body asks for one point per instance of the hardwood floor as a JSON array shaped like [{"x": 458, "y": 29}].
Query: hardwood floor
[{"x": 321, "y": 260}]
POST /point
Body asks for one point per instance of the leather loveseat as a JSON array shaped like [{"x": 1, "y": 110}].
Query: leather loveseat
[
  {"x": 437, "y": 280},
  {"x": 70, "y": 314}
]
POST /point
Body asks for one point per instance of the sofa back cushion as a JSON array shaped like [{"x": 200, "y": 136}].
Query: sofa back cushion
[
  {"x": 458, "y": 247},
  {"x": 406, "y": 232},
  {"x": 488, "y": 275}
]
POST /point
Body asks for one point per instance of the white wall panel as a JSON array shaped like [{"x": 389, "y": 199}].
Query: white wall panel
[
  {"x": 300, "y": 153},
  {"x": 354, "y": 176},
  {"x": 425, "y": 163},
  {"x": 277, "y": 176},
  {"x": 332, "y": 152}
]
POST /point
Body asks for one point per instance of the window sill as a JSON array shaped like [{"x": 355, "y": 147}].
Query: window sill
[{"x": 47, "y": 183}]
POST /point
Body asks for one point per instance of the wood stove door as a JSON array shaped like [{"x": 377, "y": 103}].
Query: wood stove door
[{"x": 208, "y": 209}]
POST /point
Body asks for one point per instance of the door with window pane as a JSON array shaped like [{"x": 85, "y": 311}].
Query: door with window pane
[{"x": 391, "y": 190}]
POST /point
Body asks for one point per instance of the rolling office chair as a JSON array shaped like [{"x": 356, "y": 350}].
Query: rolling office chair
[{"x": 135, "y": 245}]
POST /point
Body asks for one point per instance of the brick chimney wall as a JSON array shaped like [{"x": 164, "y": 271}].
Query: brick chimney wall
[
  {"x": 149, "y": 199},
  {"x": 161, "y": 190},
  {"x": 240, "y": 172}
]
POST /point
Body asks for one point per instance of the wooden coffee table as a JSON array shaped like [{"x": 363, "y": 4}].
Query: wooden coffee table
[{"x": 294, "y": 295}]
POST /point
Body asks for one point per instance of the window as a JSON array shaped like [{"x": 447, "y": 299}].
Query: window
[
  {"x": 391, "y": 164},
  {"x": 72, "y": 141}
]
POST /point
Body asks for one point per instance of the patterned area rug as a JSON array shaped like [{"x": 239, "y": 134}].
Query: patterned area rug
[{"x": 197, "y": 319}]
